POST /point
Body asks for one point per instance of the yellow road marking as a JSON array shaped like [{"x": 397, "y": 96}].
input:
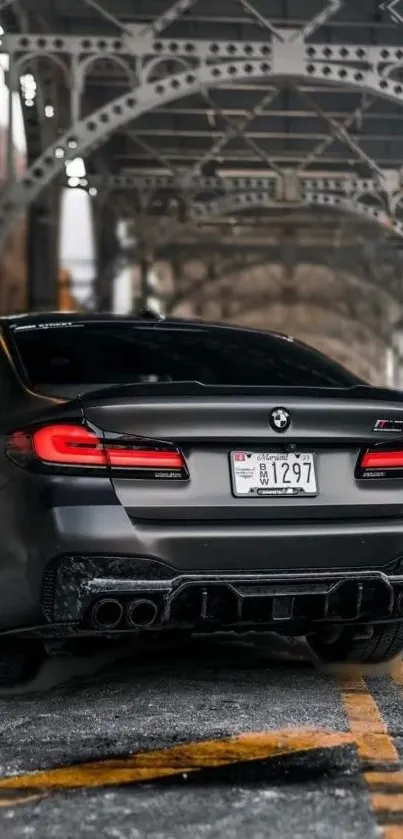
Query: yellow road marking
[
  {"x": 385, "y": 802},
  {"x": 397, "y": 673},
  {"x": 374, "y": 746},
  {"x": 387, "y": 779},
  {"x": 393, "y": 831},
  {"x": 21, "y": 798},
  {"x": 368, "y": 733},
  {"x": 177, "y": 760}
]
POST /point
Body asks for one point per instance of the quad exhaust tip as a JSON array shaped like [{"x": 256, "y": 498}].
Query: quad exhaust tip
[
  {"x": 107, "y": 613},
  {"x": 141, "y": 614}
]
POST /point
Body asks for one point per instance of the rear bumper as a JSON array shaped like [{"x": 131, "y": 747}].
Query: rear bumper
[
  {"x": 73, "y": 586},
  {"x": 74, "y": 553}
]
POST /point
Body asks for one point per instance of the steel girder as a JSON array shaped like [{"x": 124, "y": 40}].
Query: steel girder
[
  {"x": 365, "y": 266},
  {"x": 387, "y": 187},
  {"x": 249, "y": 200},
  {"x": 242, "y": 255},
  {"x": 348, "y": 307},
  {"x": 283, "y": 58},
  {"x": 204, "y": 289},
  {"x": 202, "y": 212}
]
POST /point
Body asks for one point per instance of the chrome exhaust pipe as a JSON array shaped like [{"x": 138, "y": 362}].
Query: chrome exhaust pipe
[
  {"x": 141, "y": 613},
  {"x": 106, "y": 613}
]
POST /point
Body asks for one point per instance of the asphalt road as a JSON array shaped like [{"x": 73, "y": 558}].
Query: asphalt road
[{"x": 202, "y": 740}]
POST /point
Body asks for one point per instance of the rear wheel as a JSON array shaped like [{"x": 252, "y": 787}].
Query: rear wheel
[
  {"x": 385, "y": 643},
  {"x": 19, "y": 661}
]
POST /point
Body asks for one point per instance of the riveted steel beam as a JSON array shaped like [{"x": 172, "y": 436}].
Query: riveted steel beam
[
  {"x": 183, "y": 182},
  {"x": 142, "y": 41},
  {"x": 248, "y": 200},
  {"x": 387, "y": 183},
  {"x": 166, "y": 229}
]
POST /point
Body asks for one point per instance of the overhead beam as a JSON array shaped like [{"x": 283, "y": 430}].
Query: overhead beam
[
  {"x": 340, "y": 182},
  {"x": 135, "y": 36},
  {"x": 386, "y": 187}
]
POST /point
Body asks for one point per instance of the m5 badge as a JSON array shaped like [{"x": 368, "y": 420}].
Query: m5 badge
[{"x": 393, "y": 426}]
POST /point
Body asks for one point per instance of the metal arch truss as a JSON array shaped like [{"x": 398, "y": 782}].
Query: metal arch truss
[
  {"x": 203, "y": 65},
  {"x": 343, "y": 192},
  {"x": 253, "y": 200},
  {"x": 206, "y": 211}
]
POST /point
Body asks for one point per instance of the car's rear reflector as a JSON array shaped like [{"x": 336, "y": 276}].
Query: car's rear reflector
[
  {"x": 380, "y": 460},
  {"x": 74, "y": 445}
]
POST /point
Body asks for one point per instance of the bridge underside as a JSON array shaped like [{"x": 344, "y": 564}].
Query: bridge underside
[{"x": 252, "y": 148}]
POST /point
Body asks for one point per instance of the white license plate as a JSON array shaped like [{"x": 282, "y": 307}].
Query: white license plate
[{"x": 273, "y": 473}]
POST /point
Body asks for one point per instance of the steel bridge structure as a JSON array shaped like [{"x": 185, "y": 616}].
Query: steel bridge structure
[{"x": 250, "y": 131}]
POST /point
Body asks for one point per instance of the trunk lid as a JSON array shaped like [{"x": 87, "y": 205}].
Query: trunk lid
[{"x": 209, "y": 422}]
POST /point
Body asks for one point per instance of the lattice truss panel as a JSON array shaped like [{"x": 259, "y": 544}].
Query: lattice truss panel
[{"x": 283, "y": 57}]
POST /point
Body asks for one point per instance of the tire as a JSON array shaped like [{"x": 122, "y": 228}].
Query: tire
[
  {"x": 384, "y": 645},
  {"x": 19, "y": 662}
]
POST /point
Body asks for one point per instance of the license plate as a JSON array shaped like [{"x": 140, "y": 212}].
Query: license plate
[{"x": 287, "y": 474}]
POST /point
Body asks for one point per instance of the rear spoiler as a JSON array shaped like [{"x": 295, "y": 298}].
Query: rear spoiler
[{"x": 169, "y": 390}]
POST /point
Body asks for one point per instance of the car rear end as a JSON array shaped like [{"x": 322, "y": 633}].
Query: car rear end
[{"x": 202, "y": 477}]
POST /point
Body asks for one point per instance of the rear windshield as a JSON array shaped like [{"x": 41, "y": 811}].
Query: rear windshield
[{"x": 88, "y": 354}]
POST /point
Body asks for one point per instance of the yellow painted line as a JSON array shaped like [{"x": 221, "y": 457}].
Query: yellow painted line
[
  {"x": 385, "y": 802},
  {"x": 21, "y": 798},
  {"x": 374, "y": 743},
  {"x": 397, "y": 673},
  {"x": 393, "y": 831},
  {"x": 177, "y": 760},
  {"x": 384, "y": 779},
  {"x": 375, "y": 746}
]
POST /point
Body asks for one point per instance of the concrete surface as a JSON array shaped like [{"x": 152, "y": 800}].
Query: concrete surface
[{"x": 129, "y": 701}]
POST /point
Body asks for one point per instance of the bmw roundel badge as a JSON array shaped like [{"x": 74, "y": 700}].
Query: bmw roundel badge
[{"x": 279, "y": 420}]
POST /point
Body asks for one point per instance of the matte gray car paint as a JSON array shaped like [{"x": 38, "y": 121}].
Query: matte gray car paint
[{"x": 198, "y": 525}]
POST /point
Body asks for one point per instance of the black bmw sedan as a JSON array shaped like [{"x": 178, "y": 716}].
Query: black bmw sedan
[{"x": 164, "y": 474}]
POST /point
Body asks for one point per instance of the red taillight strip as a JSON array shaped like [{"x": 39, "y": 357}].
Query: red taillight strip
[
  {"x": 143, "y": 459},
  {"x": 74, "y": 445},
  {"x": 382, "y": 460}
]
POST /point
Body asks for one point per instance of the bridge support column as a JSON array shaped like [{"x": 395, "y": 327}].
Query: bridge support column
[
  {"x": 108, "y": 251},
  {"x": 397, "y": 350},
  {"x": 43, "y": 256},
  {"x": 147, "y": 292}
]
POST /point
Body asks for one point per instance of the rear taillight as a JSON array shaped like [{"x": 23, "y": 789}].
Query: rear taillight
[
  {"x": 71, "y": 444},
  {"x": 380, "y": 462},
  {"x": 77, "y": 447}
]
